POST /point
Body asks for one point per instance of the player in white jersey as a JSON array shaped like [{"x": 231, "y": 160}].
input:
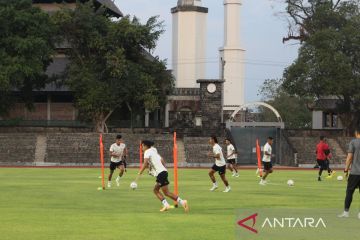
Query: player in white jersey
[
  {"x": 266, "y": 160},
  {"x": 153, "y": 160},
  {"x": 219, "y": 166},
  {"x": 118, "y": 152},
  {"x": 231, "y": 156}
]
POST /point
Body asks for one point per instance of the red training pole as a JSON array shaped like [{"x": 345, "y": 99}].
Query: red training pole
[
  {"x": 141, "y": 155},
  {"x": 258, "y": 155},
  {"x": 102, "y": 161}
]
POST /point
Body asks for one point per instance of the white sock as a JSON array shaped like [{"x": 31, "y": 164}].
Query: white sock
[
  {"x": 179, "y": 200},
  {"x": 215, "y": 184},
  {"x": 118, "y": 178},
  {"x": 165, "y": 203}
]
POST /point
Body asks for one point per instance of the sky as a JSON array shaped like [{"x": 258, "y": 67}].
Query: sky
[{"x": 263, "y": 25}]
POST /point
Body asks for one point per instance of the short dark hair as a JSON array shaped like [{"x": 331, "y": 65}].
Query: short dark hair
[
  {"x": 270, "y": 138},
  {"x": 322, "y": 137},
  {"x": 228, "y": 139},
  {"x": 148, "y": 143},
  {"x": 118, "y": 136},
  {"x": 213, "y": 137}
]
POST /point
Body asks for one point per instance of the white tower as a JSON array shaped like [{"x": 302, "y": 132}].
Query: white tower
[
  {"x": 232, "y": 57},
  {"x": 189, "y": 43}
]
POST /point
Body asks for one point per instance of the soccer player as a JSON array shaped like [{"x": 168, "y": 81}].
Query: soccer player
[
  {"x": 219, "y": 166},
  {"x": 118, "y": 150},
  {"x": 268, "y": 168},
  {"x": 156, "y": 162},
  {"x": 353, "y": 160},
  {"x": 322, "y": 151},
  {"x": 231, "y": 157}
]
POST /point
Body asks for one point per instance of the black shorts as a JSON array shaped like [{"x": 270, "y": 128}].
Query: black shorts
[
  {"x": 267, "y": 165},
  {"x": 220, "y": 170},
  {"x": 162, "y": 179},
  {"x": 231, "y": 161},
  {"x": 353, "y": 182},
  {"x": 323, "y": 164},
  {"x": 114, "y": 165}
]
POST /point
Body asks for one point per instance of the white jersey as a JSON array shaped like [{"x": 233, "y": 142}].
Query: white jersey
[
  {"x": 119, "y": 150},
  {"x": 219, "y": 161},
  {"x": 152, "y": 172},
  {"x": 268, "y": 150},
  {"x": 231, "y": 152},
  {"x": 154, "y": 159}
]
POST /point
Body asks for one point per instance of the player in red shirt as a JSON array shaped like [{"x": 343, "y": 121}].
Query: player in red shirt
[{"x": 322, "y": 153}]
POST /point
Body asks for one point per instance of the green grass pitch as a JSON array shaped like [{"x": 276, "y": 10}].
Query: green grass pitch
[{"x": 65, "y": 204}]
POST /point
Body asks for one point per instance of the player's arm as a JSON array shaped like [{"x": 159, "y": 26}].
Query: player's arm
[
  {"x": 113, "y": 153},
  {"x": 349, "y": 160},
  {"x": 163, "y": 162},
  {"x": 126, "y": 153},
  {"x": 233, "y": 153},
  {"x": 145, "y": 165},
  {"x": 214, "y": 155}
]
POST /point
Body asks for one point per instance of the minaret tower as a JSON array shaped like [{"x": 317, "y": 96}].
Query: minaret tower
[
  {"x": 232, "y": 57},
  {"x": 189, "y": 43}
]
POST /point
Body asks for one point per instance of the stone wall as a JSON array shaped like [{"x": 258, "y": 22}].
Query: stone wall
[
  {"x": 17, "y": 148},
  {"x": 197, "y": 148},
  {"x": 75, "y": 148},
  {"x": 306, "y": 149}
]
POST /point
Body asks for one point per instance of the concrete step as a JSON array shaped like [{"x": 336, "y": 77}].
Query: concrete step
[{"x": 40, "y": 148}]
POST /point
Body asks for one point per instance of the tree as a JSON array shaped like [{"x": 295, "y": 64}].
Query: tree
[
  {"x": 329, "y": 57},
  {"x": 109, "y": 65},
  {"x": 292, "y": 109},
  {"x": 26, "y": 44}
]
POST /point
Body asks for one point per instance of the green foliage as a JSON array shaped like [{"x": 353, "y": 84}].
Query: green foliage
[
  {"x": 293, "y": 109},
  {"x": 26, "y": 45},
  {"x": 109, "y": 64},
  {"x": 329, "y": 58}
]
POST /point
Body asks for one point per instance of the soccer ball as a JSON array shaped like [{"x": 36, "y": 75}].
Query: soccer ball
[
  {"x": 340, "y": 178},
  {"x": 133, "y": 185},
  {"x": 290, "y": 183}
]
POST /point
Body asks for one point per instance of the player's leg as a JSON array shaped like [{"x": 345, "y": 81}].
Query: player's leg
[
  {"x": 157, "y": 192},
  {"x": 223, "y": 178},
  {"x": 267, "y": 171},
  {"x": 112, "y": 169},
  {"x": 121, "y": 168},
  {"x": 321, "y": 168},
  {"x": 229, "y": 166},
  {"x": 353, "y": 182},
  {"x": 233, "y": 165},
  {"x": 171, "y": 195},
  {"x": 212, "y": 177}
]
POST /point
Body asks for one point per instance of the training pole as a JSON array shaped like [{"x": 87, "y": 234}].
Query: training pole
[
  {"x": 258, "y": 155},
  {"x": 141, "y": 155},
  {"x": 102, "y": 161},
  {"x": 175, "y": 157}
]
